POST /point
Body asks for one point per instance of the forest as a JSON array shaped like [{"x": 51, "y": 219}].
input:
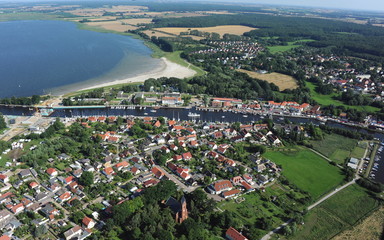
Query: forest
[{"x": 356, "y": 39}]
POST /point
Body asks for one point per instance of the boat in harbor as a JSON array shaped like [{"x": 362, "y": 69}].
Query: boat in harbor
[
  {"x": 245, "y": 115},
  {"x": 153, "y": 110},
  {"x": 191, "y": 114}
]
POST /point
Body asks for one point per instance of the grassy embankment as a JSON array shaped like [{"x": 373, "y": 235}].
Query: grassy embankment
[
  {"x": 338, "y": 148},
  {"x": 307, "y": 170},
  {"x": 340, "y": 212}
]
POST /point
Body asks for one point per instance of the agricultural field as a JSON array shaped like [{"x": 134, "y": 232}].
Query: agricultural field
[
  {"x": 230, "y": 29},
  {"x": 307, "y": 170},
  {"x": 281, "y": 80},
  {"x": 370, "y": 228},
  {"x": 338, "y": 148},
  {"x": 112, "y": 25},
  {"x": 339, "y": 212}
]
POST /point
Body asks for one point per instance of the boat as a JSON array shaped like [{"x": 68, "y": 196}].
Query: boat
[
  {"x": 145, "y": 113},
  {"x": 191, "y": 114},
  {"x": 222, "y": 116},
  {"x": 153, "y": 110},
  {"x": 245, "y": 115}
]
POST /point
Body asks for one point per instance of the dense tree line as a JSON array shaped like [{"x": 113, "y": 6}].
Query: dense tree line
[
  {"x": 356, "y": 39},
  {"x": 3, "y": 124},
  {"x": 345, "y": 132},
  {"x": 373, "y": 186},
  {"x": 35, "y": 99},
  {"x": 219, "y": 83}
]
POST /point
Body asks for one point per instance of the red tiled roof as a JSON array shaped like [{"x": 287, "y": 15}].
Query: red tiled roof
[
  {"x": 234, "y": 234},
  {"x": 51, "y": 171}
]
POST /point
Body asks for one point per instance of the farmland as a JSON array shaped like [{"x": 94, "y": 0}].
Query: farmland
[
  {"x": 340, "y": 212},
  {"x": 230, "y": 29},
  {"x": 281, "y": 80},
  {"x": 337, "y": 147},
  {"x": 370, "y": 228},
  {"x": 306, "y": 170}
]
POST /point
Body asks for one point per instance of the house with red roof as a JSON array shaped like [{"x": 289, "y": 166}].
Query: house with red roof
[
  {"x": 157, "y": 124},
  {"x": 4, "y": 178},
  {"x": 165, "y": 149},
  {"x": 193, "y": 144},
  {"x": 233, "y": 234},
  {"x": 101, "y": 119},
  {"x": 231, "y": 193},
  {"x": 158, "y": 172},
  {"x": 121, "y": 165},
  {"x": 220, "y": 186},
  {"x": 92, "y": 119},
  {"x": 134, "y": 170},
  {"x": 108, "y": 171},
  {"x": 88, "y": 222},
  {"x": 16, "y": 208},
  {"x": 33, "y": 185},
  {"x": 177, "y": 157},
  {"x": 150, "y": 183},
  {"x": 173, "y": 147},
  {"x": 212, "y": 155},
  {"x": 183, "y": 173},
  {"x": 52, "y": 172},
  {"x": 64, "y": 197},
  {"x": 217, "y": 135},
  {"x": 187, "y": 156}
]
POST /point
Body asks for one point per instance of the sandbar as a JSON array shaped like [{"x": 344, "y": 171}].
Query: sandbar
[{"x": 168, "y": 69}]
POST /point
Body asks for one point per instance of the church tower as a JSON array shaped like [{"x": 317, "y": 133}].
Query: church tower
[{"x": 183, "y": 213}]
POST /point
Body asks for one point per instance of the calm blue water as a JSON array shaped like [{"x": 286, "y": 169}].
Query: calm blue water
[{"x": 38, "y": 56}]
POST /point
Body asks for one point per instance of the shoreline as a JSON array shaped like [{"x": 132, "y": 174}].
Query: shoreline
[{"x": 169, "y": 69}]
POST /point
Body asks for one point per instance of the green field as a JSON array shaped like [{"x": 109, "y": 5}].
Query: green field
[
  {"x": 330, "y": 100},
  {"x": 285, "y": 48},
  {"x": 337, "y": 147},
  {"x": 341, "y": 211},
  {"x": 307, "y": 170}
]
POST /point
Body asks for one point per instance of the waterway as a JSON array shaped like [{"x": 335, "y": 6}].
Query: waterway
[{"x": 205, "y": 116}]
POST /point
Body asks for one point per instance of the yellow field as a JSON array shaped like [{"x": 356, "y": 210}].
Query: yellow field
[
  {"x": 370, "y": 229},
  {"x": 136, "y": 21},
  {"x": 281, "y": 80},
  {"x": 112, "y": 25},
  {"x": 230, "y": 29}
]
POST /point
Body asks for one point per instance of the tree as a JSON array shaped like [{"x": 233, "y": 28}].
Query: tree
[
  {"x": 123, "y": 211},
  {"x": 86, "y": 179},
  {"x": 40, "y": 230},
  {"x": 77, "y": 217},
  {"x": 3, "y": 124}
]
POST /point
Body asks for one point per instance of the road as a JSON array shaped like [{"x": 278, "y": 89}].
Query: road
[{"x": 177, "y": 181}]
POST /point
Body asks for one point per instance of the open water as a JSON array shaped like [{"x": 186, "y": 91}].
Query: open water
[{"x": 38, "y": 57}]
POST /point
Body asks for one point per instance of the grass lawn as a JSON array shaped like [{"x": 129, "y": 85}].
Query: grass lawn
[
  {"x": 335, "y": 147},
  {"x": 307, "y": 170},
  {"x": 3, "y": 160},
  {"x": 341, "y": 211},
  {"x": 330, "y": 100}
]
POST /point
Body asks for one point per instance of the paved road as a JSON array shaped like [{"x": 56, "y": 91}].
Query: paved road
[{"x": 177, "y": 181}]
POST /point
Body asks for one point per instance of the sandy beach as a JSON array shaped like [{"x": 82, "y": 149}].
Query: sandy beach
[{"x": 169, "y": 69}]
